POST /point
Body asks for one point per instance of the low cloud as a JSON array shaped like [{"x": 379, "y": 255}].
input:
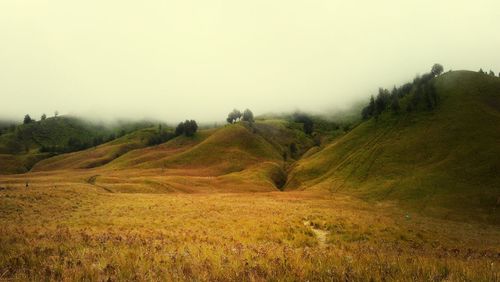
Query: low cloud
[{"x": 173, "y": 60}]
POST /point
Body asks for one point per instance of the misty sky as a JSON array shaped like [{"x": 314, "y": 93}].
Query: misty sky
[{"x": 174, "y": 60}]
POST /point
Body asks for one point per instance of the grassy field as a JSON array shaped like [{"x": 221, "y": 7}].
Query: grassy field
[{"x": 65, "y": 229}]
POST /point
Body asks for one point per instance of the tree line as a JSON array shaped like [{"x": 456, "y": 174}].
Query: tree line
[
  {"x": 491, "y": 73},
  {"x": 27, "y": 118},
  {"x": 422, "y": 89}
]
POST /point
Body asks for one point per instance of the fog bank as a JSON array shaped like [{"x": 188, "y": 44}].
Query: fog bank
[{"x": 172, "y": 60}]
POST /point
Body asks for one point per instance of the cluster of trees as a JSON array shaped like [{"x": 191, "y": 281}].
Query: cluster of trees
[
  {"x": 28, "y": 119},
  {"x": 489, "y": 73},
  {"x": 236, "y": 115},
  {"x": 422, "y": 88},
  {"x": 188, "y": 128}
]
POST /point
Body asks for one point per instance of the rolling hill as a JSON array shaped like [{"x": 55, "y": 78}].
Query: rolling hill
[
  {"x": 440, "y": 162},
  {"x": 24, "y": 145},
  {"x": 98, "y": 155},
  {"x": 238, "y": 157}
]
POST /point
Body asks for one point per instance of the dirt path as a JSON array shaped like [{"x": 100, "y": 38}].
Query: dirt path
[{"x": 320, "y": 234}]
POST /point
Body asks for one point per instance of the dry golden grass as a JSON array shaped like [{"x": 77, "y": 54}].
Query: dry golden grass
[{"x": 64, "y": 228}]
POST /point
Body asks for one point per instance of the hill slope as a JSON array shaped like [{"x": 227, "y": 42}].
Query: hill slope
[
  {"x": 441, "y": 162},
  {"x": 237, "y": 157},
  {"x": 24, "y": 145},
  {"x": 96, "y": 156}
]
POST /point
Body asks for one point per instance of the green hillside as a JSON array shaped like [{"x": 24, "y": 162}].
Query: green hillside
[
  {"x": 21, "y": 146},
  {"x": 54, "y": 131},
  {"x": 441, "y": 162},
  {"x": 97, "y": 156}
]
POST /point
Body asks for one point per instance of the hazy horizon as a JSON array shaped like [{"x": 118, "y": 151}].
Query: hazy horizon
[{"x": 178, "y": 59}]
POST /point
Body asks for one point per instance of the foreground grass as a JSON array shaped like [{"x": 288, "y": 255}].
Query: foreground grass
[{"x": 78, "y": 232}]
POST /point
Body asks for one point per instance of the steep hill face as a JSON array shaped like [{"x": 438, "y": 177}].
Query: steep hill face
[{"x": 443, "y": 161}]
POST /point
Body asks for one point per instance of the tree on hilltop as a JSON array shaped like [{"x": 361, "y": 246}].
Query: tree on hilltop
[
  {"x": 27, "y": 119},
  {"x": 247, "y": 116},
  {"x": 233, "y": 116},
  {"x": 437, "y": 69}
]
